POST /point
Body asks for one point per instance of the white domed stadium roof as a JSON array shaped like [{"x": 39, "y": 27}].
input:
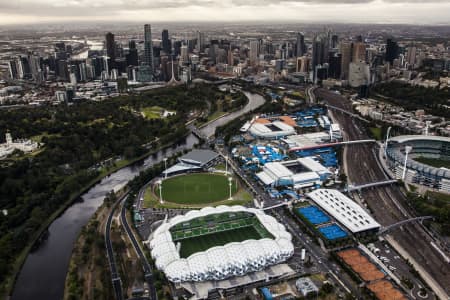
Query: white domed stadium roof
[{"x": 220, "y": 262}]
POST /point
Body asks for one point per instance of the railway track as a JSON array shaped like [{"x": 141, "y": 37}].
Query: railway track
[{"x": 389, "y": 205}]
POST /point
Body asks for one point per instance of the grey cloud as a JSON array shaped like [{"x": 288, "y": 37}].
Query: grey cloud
[{"x": 112, "y": 7}]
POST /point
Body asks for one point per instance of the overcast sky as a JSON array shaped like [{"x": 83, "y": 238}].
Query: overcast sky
[{"x": 364, "y": 11}]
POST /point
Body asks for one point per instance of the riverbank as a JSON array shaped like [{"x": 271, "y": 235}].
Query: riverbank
[{"x": 8, "y": 285}]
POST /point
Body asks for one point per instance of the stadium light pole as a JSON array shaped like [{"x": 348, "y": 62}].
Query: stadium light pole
[
  {"x": 407, "y": 151},
  {"x": 160, "y": 191},
  {"x": 165, "y": 167},
  {"x": 230, "y": 183},
  {"x": 226, "y": 164},
  {"x": 386, "y": 142}
]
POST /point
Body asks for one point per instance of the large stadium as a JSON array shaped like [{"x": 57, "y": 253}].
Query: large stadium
[
  {"x": 427, "y": 161},
  {"x": 218, "y": 243}
]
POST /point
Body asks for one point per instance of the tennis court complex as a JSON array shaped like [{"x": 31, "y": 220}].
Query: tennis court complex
[
  {"x": 314, "y": 215},
  {"x": 333, "y": 232}
]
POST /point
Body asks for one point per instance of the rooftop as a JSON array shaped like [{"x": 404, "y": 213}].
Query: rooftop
[{"x": 344, "y": 210}]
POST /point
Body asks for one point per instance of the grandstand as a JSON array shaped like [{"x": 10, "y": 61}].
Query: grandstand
[{"x": 433, "y": 147}]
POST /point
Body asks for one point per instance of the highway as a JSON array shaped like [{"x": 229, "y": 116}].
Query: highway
[
  {"x": 116, "y": 281},
  {"x": 388, "y": 204},
  {"x": 148, "y": 274}
]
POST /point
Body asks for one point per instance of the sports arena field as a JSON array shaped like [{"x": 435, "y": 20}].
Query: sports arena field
[
  {"x": 197, "y": 188},
  {"x": 203, "y": 233}
]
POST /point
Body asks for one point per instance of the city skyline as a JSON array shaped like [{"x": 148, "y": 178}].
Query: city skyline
[{"x": 349, "y": 11}]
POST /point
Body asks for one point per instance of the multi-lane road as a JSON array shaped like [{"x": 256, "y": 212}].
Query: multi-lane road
[
  {"x": 148, "y": 274},
  {"x": 388, "y": 204}
]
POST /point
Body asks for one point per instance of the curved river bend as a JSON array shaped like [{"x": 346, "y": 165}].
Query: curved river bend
[{"x": 44, "y": 271}]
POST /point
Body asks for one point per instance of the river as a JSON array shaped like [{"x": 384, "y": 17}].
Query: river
[{"x": 44, "y": 271}]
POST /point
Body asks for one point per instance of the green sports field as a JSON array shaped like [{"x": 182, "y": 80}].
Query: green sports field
[
  {"x": 197, "y": 188},
  {"x": 206, "y": 232}
]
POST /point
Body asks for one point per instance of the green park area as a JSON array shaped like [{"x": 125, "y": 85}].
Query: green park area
[{"x": 152, "y": 112}]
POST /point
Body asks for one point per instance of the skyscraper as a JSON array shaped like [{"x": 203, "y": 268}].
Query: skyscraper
[
  {"x": 148, "y": 47},
  {"x": 391, "y": 50},
  {"x": 411, "y": 56},
  {"x": 300, "y": 45},
  {"x": 110, "y": 49},
  {"x": 346, "y": 56},
  {"x": 165, "y": 41},
  {"x": 320, "y": 51},
  {"x": 132, "y": 56},
  {"x": 254, "y": 51},
  {"x": 200, "y": 41},
  {"x": 359, "y": 52}
]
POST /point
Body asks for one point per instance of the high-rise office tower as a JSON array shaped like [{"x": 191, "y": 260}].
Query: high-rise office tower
[
  {"x": 320, "y": 50},
  {"x": 110, "y": 48},
  {"x": 300, "y": 45},
  {"x": 148, "y": 47},
  {"x": 165, "y": 41},
  {"x": 184, "y": 55},
  {"x": 359, "y": 52},
  {"x": 334, "y": 41},
  {"x": 200, "y": 41},
  {"x": 12, "y": 69},
  {"x": 411, "y": 56},
  {"x": 132, "y": 56},
  {"x": 254, "y": 52},
  {"x": 335, "y": 63},
  {"x": 346, "y": 57},
  {"x": 391, "y": 51}
]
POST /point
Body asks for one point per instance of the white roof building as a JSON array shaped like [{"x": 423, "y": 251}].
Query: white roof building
[
  {"x": 272, "y": 130},
  {"x": 220, "y": 262},
  {"x": 344, "y": 210},
  {"x": 278, "y": 173}
]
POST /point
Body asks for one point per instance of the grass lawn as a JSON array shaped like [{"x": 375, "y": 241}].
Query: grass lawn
[
  {"x": 153, "y": 112},
  {"x": 204, "y": 242},
  {"x": 197, "y": 188},
  {"x": 434, "y": 162},
  {"x": 376, "y": 132}
]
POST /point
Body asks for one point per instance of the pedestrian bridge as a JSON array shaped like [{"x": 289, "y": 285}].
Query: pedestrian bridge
[{"x": 352, "y": 188}]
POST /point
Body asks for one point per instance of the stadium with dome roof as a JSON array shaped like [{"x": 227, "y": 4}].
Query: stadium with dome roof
[{"x": 218, "y": 243}]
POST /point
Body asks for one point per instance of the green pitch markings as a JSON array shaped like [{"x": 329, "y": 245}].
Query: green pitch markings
[
  {"x": 203, "y": 233},
  {"x": 197, "y": 188}
]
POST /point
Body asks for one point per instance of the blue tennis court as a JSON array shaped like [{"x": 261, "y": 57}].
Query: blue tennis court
[
  {"x": 333, "y": 232},
  {"x": 314, "y": 215}
]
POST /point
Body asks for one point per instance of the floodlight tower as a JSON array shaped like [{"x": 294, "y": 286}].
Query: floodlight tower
[
  {"x": 407, "y": 151},
  {"x": 160, "y": 191},
  {"x": 386, "y": 141},
  {"x": 230, "y": 183},
  {"x": 226, "y": 164},
  {"x": 427, "y": 128},
  {"x": 165, "y": 167}
]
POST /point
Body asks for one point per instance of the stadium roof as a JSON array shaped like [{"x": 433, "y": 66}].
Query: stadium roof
[
  {"x": 313, "y": 165},
  {"x": 199, "y": 156},
  {"x": 265, "y": 130},
  {"x": 278, "y": 169},
  {"x": 344, "y": 210},
  {"x": 220, "y": 262},
  {"x": 409, "y": 138}
]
